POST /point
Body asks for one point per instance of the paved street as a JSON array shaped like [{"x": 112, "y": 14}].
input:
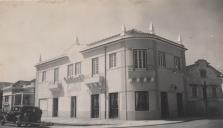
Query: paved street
[{"x": 204, "y": 123}]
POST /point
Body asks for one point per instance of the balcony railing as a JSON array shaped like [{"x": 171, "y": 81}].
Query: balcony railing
[
  {"x": 95, "y": 83},
  {"x": 74, "y": 78},
  {"x": 54, "y": 85},
  {"x": 141, "y": 74}
]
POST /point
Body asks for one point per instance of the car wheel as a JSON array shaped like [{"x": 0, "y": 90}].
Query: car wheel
[{"x": 18, "y": 124}]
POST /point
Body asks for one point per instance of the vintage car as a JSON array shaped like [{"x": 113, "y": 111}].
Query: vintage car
[{"x": 22, "y": 115}]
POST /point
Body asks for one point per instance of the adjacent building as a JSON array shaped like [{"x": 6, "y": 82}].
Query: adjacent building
[
  {"x": 204, "y": 89},
  {"x": 3, "y": 84},
  {"x": 20, "y": 93},
  {"x": 132, "y": 75}
]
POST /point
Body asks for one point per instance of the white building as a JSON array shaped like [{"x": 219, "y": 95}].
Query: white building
[{"x": 132, "y": 75}]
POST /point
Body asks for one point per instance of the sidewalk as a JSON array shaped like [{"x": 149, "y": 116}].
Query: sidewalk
[{"x": 109, "y": 122}]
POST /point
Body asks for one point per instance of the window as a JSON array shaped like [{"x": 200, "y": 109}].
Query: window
[
  {"x": 43, "y": 76},
  {"x": 177, "y": 62},
  {"x": 70, "y": 70},
  {"x": 140, "y": 58},
  {"x": 77, "y": 68},
  {"x": 141, "y": 101},
  {"x": 214, "y": 92},
  {"x": 162, "y": 59},
  {"x": 6, "y": 98},
  {"x": 112, "y": 60},
  {"x": 56, "y": 75},
  {"x": 95, "y": 66},
  {"x": 203, "y": 73},
  {"x": 194, "y": 92}
]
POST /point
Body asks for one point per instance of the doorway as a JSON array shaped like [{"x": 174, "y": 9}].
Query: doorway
[
  {"x": 95, "y": 106},
  {"x": 55, "y": 107},
  {"x": 180, "y": 104},
  {"x": 113, "y": 105},
  {"x": 73, "y": 108},
  {"x": 164, "y": 105}
]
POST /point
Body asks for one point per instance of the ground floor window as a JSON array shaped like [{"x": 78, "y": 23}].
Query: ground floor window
[
  {"x": 141, "y": 101},
  {"x": 194, "y": 92}
]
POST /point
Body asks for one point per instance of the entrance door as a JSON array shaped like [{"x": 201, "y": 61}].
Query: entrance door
[
  {"x": 95, "y": 106},
  {"x": 55, "y": 107},
  {"x": 180, "y": 104},
  {"x": 73, "y": 108},
  {"x": 113, "y": 105},
  {"x": 164, "y": 105}
]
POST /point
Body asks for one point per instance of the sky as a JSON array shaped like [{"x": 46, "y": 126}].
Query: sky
[{"x": 30, "y": 28}]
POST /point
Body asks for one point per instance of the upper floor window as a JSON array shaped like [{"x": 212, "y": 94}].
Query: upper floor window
[
  {"x": 162, "y": 59},
  {"x": 6, "y": 98},
  {"x": 77, "y": 68},
  {"x": 203, "y": 73},
  {"x": 95, "y": 66},
  {"x": 56, "y": 75},
  {"x": 112, "y": 60},
  {"x": 43, "y": 76},
  {"x": 177, "y": 62},
  {"x": 194, "y": 91},
  {"x": 214, "y": 92},
  {"x": 141, "y": 101},
  {"x": 140, "y": 58},
  {"x": 70, "y": 70}
]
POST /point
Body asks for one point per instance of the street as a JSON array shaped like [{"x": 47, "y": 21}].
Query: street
[{"x": 204, "y": 123}]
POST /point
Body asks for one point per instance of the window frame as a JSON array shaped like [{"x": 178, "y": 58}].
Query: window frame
[
  {"x": 144, "y": 102},
  {"x": 203, "y": 73},
  {"x": 140, "y": 58},
  {"x": 77, "y": 68},
  {"x": 112, "y": 60},
  {"x": 95, "y": 66},
  {"x": 56, "y": 75},
  {"x": 43, "y": 76},
  {"x": 162, "y": 59},
  {"x": 177, "y": 63},
  {"x": 194, "y": 93},
  {"x": 70, "y": 71},
  {"x": 214, "y": 92}
]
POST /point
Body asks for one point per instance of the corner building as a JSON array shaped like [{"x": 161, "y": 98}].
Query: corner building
[{"x": 129, "y": 76}]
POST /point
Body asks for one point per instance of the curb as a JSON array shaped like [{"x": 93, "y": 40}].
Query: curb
[{"x": 117, "y": 125}]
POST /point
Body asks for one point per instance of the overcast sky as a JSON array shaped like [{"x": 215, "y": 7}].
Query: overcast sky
[{"x": 28, "y": 29}]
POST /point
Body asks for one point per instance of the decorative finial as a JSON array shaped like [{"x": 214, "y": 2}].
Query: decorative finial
[
  {"x": 151, "y": 28},
  {"x": 40, "y": 58},
  {"x": 77, "y": 41},
  {"x": 179, "y": 39},
  {"x": 123, "y": 30}
]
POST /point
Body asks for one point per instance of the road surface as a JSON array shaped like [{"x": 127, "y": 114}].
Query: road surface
[{"x": 204, "y": 123}]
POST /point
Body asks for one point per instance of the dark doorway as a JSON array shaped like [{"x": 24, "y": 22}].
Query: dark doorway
[
  {"x": 95, "y": 106},
  {"x": 164, "y": 105},
  {"x": 73, "y": 109},
  {"x": 180, "y": 104},
  {"x": 113, "y": 105},
  {"x": 55, "y": 107}
]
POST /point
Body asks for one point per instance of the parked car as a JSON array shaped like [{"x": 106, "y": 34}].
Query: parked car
[{"x": 22, "y": 115}]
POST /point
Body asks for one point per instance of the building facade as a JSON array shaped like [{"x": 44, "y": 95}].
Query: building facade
[
  {"x": 204, "y": 89},
  {"x": 20, "y": 93},
  {"x": 131, "y": 76}
]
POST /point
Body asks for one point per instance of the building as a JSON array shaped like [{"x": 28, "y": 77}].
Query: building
[
  {"x": 18, "y": 94},
  {"x": 123, "y": 76},
  {"x": 3, "y": 84},
  {"x": 204, "y": 91}
]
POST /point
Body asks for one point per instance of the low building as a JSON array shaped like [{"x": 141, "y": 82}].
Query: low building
[
  {"x": 204, "y": 90},
  {"x": 131, "y": 75},
  {"x": 20, "y": 93},
  {"x": 3, "y": 84}
]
